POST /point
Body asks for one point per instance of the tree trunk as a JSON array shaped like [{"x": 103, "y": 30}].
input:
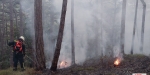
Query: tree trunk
[
  {"x": 96, "y": 29},
  {"x": 11, "y": 20},
  {"x": 39, "y": 43},
  {"x": 143, "y": 24},
  {"x": 101, "y": 31},
  {"x": 2, "y": 30},
  {"x": 16, "y": 24},
  {"x": 72, "y": 35},
  {"x": 5, "y": 38},
  {"x": 113, "y": 25},
  {"x": 123, "y": 26},
  {"x": 21, "y": 23},
  {"x": 60, "y": 37},
  {"x": 11, "y": 28},
  {"x": 1, "y": 34},
  {"x": 133, "y": 36}
]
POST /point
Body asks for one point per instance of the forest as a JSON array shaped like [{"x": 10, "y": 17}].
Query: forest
[{"x": 76, "y": 37}]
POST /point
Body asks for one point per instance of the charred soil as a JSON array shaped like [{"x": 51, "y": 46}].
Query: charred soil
[{"x": 105, "y": 66}]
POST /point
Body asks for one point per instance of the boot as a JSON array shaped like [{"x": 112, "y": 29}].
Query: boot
[{"x": 15, "y": 69}]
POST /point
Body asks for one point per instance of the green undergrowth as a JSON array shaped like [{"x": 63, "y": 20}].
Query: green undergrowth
[
  {"x": 28, "y": 71},
  {"x": 135, "y": 55},
  {"x": 84, "y": 69}
]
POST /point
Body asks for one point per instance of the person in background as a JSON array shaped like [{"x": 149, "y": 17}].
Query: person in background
[{"x": 18, "y": 52}]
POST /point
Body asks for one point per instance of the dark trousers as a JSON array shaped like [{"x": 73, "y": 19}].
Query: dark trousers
[{"x": 18, "y": 57}]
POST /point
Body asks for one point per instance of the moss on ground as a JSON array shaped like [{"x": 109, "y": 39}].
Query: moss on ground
[{"x": 28, "y": 71}]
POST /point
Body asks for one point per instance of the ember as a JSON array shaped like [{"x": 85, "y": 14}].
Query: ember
[{"x": 117, "y": 62}]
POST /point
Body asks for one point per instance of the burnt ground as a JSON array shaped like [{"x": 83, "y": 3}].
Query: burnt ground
[{"x": 104, "y": 66}]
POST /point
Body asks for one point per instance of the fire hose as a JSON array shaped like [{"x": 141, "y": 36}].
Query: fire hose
[
  {"x": 30, "y": 58},
  {"x": 25, "y": 55}
]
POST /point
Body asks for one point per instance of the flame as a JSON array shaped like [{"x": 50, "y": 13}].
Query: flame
[
  {"x": 117, "y": 62},
  {"x": 63, "y": 64}
]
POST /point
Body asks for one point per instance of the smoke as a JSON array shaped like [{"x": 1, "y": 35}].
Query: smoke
[
  {"x": 129, "y": 28},
  {"x": 28, "y": 11},
  {"x": 97, "y": 28}
]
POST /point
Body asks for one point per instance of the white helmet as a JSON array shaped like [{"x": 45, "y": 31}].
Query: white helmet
[{"x": 21, "y": 37}]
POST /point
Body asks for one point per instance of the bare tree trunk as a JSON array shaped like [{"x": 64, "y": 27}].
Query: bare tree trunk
[
  {"x": 6, "y": 33},
  {"x": 143, "y": 24},
  {"x": 60, "y": 37},
  {"x": 113, "y": 28},
  {"x": 11, "y": 29},
  {"x": 11, "y": 20},
  {"x": 21, "y": 23},
  {"x": 5, "y": 38},
  {"x": 96, "y": 27},
  {"x": 2, "y": 33},
  {"x": 101, "y": 33},
  {"x": 123, "y": 26},
  {"x": 72, "y": 35},
  {"x": 39, "y": 43},
  {"x": 2, "y": 28},
  {"x": 133, "y": 36},
  {"x": 16, "y": 20}
]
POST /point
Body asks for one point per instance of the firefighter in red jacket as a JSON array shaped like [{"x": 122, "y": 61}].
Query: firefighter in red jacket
[{"x": 18, "y": 52}]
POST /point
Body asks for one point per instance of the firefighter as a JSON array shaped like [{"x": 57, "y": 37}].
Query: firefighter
[{"x": 18, "y": 52}]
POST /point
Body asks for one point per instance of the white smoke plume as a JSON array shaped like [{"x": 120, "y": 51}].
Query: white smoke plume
[{"x": 87, "y": 29}]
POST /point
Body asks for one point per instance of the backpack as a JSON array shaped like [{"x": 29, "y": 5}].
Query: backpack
[{"x": 18, "y": 46}]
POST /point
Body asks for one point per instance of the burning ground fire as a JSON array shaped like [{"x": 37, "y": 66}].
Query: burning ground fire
[
  {"x": 117, "y": 62},
  {"x": 63, "y": 64},
  {"x": 118, "y": 59}
]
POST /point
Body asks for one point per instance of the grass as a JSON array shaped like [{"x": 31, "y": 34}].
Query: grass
[
  {"x": 28, "y": 71},
  {"x": 84, "y": 69},
  {"x": 135, "y": 56}
]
